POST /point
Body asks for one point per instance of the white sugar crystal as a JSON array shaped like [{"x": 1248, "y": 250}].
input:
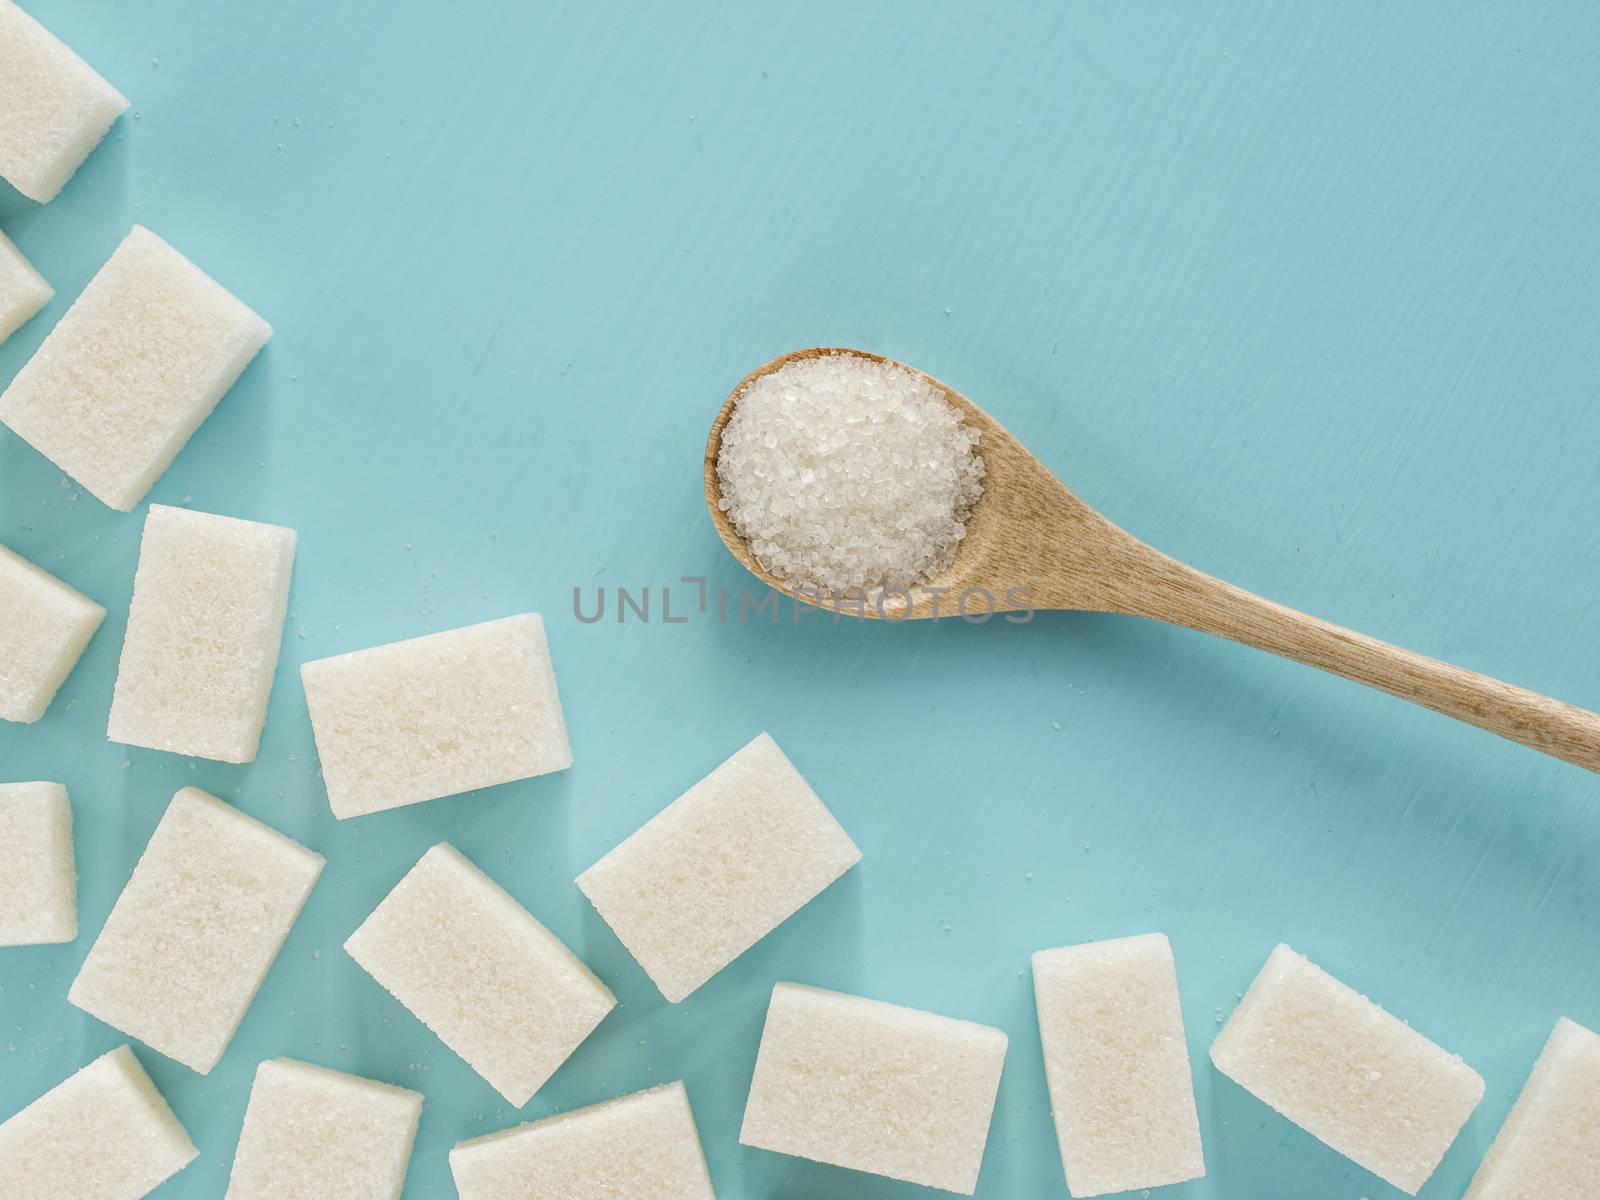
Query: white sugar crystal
[
  {"x": 194, "y": 933},
  {"x": 639, "y": 1147},
  {"x": 472, "y": 965},
  {"x": 103, "y": 1134},
  {"x": 1549, "y": 1147},
  {"x": 874, "y": 1087},
  {"x": 846, "y": 473},
  {"x": 436, "y": 715},
  {"x": 204, "y": 628},
  {"x": 45, "y": 629},
  {"x": 54, "y": 109},
  {"x": 136, "y": 364},
  {"x": 719, "y": 868},
  {"x": 1346, "y": 1071},
  {"x": 314, "y": 1134},
  {"x": 1117, "y": 1065},
  {"x": 38, "y": 880},
  {"x": 23, "y": 291}
]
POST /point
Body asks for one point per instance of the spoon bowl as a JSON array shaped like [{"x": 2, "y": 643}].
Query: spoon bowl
[
  {"x": 1031, "y": 544},
  {"x": 1004, "y": 557}
]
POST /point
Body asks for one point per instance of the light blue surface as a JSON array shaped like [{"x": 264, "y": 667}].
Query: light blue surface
[{"x": 1303, "y": 293}]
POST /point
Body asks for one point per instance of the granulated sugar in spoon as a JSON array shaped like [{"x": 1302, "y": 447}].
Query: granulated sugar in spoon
[{"x": 847, "y": 479}]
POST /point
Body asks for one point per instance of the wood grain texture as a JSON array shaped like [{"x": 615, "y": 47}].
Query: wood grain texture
[{"x": 1032, "y": 544}]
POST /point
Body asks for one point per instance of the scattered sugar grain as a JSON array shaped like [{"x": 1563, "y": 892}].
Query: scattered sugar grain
[{"x": 843, "y": 472}]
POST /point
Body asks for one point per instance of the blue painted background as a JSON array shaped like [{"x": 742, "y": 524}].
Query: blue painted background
[{"x": 1305, "y": 294}]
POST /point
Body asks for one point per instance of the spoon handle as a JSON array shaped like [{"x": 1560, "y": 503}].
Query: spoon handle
[{"x": 1174, "y": 592}]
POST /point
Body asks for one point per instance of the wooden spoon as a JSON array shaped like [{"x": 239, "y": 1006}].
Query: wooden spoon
[{"x": 1030, "y": 534}]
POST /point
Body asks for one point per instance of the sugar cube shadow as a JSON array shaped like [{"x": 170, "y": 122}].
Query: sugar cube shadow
[
  {"x": 14, "y": 206},
  {"x": 222, "y": 468}
]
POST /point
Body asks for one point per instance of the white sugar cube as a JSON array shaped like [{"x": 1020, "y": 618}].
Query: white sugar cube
[
  {"x": 719, "y": 868},
  {"x": 46, "y": 627},
  {"x": 103, "y": 1134},
  {"x": 193, "y": 934},
  {"x": 1117, "y": 1065},
  {"x": 314, "y": 1134},
  {"x": 472, "y": 965},
  {"x": 54, "y": 109},
  {"x": 38, "y": 880},
  {"x": 436, "y": 715},
  {"x": 638, "y": 1147},
  {"x": 1549, "y": 1147},
  {"x": 23, "y": 291},
  {"x": 874, "y": 1087},
  {"x": 1344, "y": 1070},
  {"x": 204, "y": 628},
  {"x": 136, "y": 364}
]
